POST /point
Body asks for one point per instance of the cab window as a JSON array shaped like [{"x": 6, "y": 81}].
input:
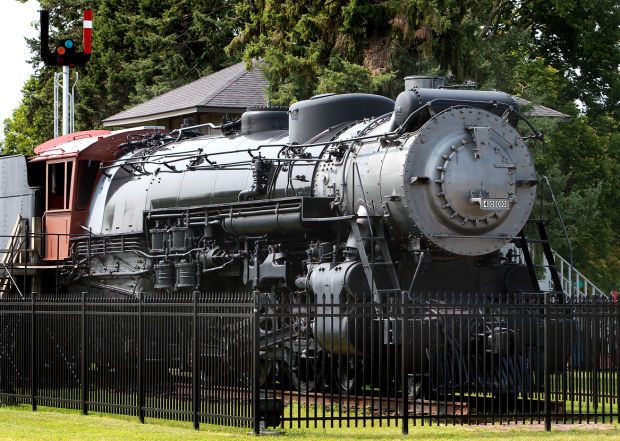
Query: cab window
[
  {"x": 59, "y": 175},
  {"x": 87, "y": 173}
]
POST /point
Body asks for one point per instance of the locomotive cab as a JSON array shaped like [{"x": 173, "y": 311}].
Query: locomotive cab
[{"x": 71, "y": 168}]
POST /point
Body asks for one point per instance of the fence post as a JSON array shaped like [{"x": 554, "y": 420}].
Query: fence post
[
  {"x": 58, "y": 262},
  {"x": 618, "y": 357},
  {"x": 597, "y": 354},
  {"x": 195, "y": 364},
  {"x": 255, "y": 365},
  {"x": 546, "y": 355},
  {"x": 33, "y": 353},
  {"x": 140, "y": 360},
  {"x": 403, "y": 365},
  {"x": 84, "y": 364}
]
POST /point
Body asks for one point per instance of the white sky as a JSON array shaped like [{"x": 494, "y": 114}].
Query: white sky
[{"x": 16, "y": 22}]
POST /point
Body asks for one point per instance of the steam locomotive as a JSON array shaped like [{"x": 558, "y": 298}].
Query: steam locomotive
[{"x": 339, "y": 199}]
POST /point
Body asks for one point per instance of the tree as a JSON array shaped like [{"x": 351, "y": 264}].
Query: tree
[
  {"x": 479, "y": 40},
  {"x": 30, "y": 123},
  {"x": 140, "y": 49},
  {"x": 551, "y": 52},
  {"x": 579, "y": 161},
  {"x": 149, "y": 47},
  {"x": 310, "y": 47},
  {"x": 581, "y": 39}
]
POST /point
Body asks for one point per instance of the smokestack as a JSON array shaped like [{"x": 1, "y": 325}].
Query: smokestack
[{"x": 424, "y": 82}]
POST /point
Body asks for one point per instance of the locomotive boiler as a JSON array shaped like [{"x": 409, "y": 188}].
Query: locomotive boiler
[
  {"x": 337, "y": 201},
  {"x": 264, "y": 203}
]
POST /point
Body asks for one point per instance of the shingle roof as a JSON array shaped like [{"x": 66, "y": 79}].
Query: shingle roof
[
  {"x": 232, "y": 87},
  {"x": 539, "y": 110},
  {"x": 235, "y": 87}
]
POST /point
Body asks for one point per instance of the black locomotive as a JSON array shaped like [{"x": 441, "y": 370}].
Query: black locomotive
[
  {"x": 338, "y": 179},
  {"x": 339, "y": 200}
]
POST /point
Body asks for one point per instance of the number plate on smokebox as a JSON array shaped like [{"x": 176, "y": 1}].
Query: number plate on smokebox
[{"x": 495, "y": 204}]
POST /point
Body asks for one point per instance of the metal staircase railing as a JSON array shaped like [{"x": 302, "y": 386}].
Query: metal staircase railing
[
  {"x": 574, "y": 283},
  {"x": 14, "y": 253}
]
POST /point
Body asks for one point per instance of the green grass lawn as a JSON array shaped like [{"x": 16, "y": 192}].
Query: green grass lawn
[{"x": 20, "y": 423}]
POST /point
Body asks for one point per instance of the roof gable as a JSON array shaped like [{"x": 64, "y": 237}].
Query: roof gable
[
  {"x": 234, "y": 86},
  {"x": 538, "y": 110}
]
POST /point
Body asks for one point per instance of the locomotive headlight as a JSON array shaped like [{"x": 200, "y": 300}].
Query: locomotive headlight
[{"x": 462, "y": 181}]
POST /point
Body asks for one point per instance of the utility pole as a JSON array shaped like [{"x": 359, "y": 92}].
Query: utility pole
[{"x": 65, "y": 100}]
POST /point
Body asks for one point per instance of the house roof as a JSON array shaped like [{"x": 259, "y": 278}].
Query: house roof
[
  {"x": 234, "y": 89},
  {"x": 231, "y": 89},
  {"x": 538, "y": 110}
]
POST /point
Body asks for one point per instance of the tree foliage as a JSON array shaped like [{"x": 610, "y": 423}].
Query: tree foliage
[
  {"x": 482, "y": 40},
  {"x": 141, "y": 49},
  {"x": 314, "y": 46},
  {"x": 30, "y": 123},
  {"x": 581, "y": 39},
  {"x": 147, "y": 47},
  {"x": 553, "y": 52},
  {"x": 579, "y": 160}
]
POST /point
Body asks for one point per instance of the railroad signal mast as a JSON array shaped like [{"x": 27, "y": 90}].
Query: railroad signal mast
[{"x": 65, "y": 55}]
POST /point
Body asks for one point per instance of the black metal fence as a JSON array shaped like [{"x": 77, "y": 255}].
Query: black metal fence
[
  {"x": 172, "y": 357},
  {"x": 245, "y": 359}
]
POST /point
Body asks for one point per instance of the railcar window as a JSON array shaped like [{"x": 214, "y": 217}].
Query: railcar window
[
  {"x": 87, "y": 173},
  {"x": 68, "y": 177},
  {"x": 59, "y": 185}
]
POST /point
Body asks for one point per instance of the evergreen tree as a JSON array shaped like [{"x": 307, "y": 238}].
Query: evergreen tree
[
  {"x": 552, "y": 52},
  {"x": 141, "y": 49}
]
